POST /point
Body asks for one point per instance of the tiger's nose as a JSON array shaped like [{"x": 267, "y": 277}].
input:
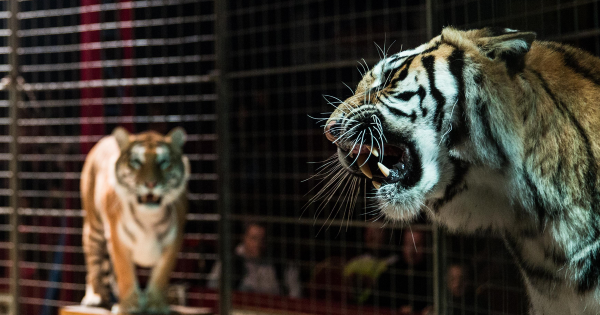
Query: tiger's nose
[
  {"x": 151, "y": 185},
  {"x": 330, "y": 131}
]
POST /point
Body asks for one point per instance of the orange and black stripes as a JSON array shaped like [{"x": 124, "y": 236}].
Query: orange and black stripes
[
  {"x": 572, "y": 61},
  {"x": 591, "y": 272},
  {"x": 429, "y": 65}
]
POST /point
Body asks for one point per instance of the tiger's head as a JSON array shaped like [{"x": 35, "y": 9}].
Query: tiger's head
[
  {"x": 409, "y": 120},
  {"x": 151, "y": 169}
]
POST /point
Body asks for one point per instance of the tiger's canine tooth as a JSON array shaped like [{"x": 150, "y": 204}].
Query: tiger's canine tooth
[
  {"x": 384, "y": 170},
  {"x": 375, "y": 152},
  {"x": 364, "y": 167},
  {"x": 377, "y": 184}
]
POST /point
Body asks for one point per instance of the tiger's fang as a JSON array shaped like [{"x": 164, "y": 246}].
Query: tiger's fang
[
  {"x": 383, "y": 169},
  {"x": 364, "y": 167}
]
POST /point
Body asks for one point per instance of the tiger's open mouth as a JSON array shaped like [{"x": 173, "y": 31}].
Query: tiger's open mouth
[
  {"x": 388, "y": 165},
  {"x": 149, "y": 199}
]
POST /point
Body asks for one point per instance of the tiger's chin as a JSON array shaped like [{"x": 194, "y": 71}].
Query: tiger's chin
[{"x": 399, "y": 204}]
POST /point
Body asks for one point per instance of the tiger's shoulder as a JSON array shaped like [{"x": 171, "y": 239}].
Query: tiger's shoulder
[
  {"x": 97, "y": 176},
  {"x": 105, "y": 152}
]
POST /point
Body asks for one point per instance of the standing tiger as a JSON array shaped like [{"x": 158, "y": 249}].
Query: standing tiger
[
  {"x": 133, "y": 190},
  {"x": 489, "y": 130}
]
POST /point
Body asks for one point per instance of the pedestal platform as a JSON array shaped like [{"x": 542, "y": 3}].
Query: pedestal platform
[{"x": 175, "y": 310}]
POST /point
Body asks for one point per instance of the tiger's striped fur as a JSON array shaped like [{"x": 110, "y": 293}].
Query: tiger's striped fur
[
  {"x": 133, "y": 190},
  {"x": 489, "y": 130}
]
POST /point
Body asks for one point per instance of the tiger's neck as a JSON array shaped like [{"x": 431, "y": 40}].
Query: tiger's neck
[{"x": 146, "y": 232}]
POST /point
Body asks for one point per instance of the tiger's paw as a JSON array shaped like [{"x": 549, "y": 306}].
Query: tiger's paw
[
  {"x": 157, "y": 302},
  {"x": 133, "y": 303},
  {"x": 93, "y": 298}
]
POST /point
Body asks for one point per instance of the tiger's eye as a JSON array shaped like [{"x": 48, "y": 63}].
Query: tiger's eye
[
  {"x": 135, "y": 163},
  {"x": 164, "y": 164}
]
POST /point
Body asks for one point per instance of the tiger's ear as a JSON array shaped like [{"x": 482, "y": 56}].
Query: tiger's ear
[
  {"x": 177, "y": 137},
  {"x": 122, "y": 137},
  {"x": 506, "y": 45}
]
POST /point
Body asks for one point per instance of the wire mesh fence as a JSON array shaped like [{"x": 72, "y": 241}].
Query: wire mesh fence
[
  {"x": 284, "y": 58},
  {"x": 87, "y": 66},
  {"x": 289, "y": 59}
]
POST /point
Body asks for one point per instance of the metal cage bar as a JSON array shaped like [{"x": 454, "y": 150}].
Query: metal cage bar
[
  {"x": 14, "y": 98},
  {"x": 224, "y": 151}
]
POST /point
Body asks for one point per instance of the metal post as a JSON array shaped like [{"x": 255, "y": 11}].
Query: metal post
[
  {"x": 223, "y": 108},
  {"x": 13, "y": 96},
  {"x": 439, "y": 271},
  {"x": 439, "y": 237},
  {"x": 429, "y": 14}
]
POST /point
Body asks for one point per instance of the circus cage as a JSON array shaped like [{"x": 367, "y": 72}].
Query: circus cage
[{"x": 244, "y": 78}]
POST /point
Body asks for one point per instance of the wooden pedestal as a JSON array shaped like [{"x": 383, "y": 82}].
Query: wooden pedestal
[{"x": 175, "y": 310}]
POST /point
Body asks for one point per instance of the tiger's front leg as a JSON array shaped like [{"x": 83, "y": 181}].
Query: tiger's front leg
[
  {"x": 96, "y": 291},
  {"x": 159, "y": 279},
  {"x": 131, "y": 299}
]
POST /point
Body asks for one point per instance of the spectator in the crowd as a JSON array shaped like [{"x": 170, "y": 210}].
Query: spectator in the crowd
[
  {"x": 370, "y": 275},
  {"x": 414, "y": 285},
  {"x": 252, "y": 272},
  {"x": 460, "y": 292}
]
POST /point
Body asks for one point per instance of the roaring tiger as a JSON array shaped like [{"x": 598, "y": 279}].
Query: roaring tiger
[
  {"x": 133, "y": 190},
  {"x": 489, "y": 130}
]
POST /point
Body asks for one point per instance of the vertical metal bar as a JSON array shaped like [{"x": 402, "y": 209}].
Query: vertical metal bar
[
  {"x": 439, "y": 269},
  {"x": 89, "y": 73},
  {"x": 13, "y": 97},
  {"x": 439, "y": 289},
  {"x": 224, "y": 204},
  {"x": 436, "y": 267},
  {"x": 429, "y": 14}
]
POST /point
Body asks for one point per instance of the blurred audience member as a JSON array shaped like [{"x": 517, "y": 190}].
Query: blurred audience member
[
  {"x": 328, "y": 281},
  {"x": 252, "y": 272},
  {"x": 460, "y": 293},
  {"x": 414, "y": 285},
  {"x": 369, "y": 275}
]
